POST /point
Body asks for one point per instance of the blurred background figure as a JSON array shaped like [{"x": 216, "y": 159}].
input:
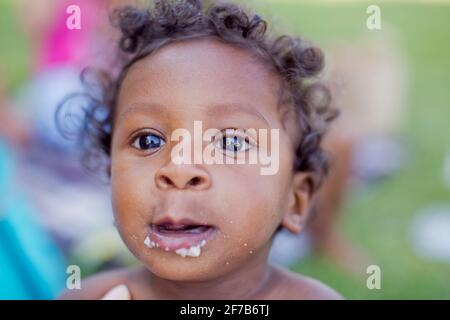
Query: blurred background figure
[
  {"x": 51, "y": 204},
  {"x": 367, "y": 82},
  {"x": 59, "y": 56},
  {"x": 32, "y": 265}
]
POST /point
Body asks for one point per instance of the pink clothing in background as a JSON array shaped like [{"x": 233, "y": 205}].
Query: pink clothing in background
[{"x": 63, "y": 47}]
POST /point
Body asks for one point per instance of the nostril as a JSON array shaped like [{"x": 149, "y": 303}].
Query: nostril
[
  {"x": 195, "y": 181},
  {"x": 180, "y": 179},
  {"x": 167, "y": 181}
]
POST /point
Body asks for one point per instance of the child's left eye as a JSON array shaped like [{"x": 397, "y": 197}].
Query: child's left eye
[
  {"x": 232, "y": 142},
  {"x": 148, "y": 142}
]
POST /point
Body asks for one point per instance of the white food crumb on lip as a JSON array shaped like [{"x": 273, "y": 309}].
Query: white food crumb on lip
[
  {"x": 193, "y": 251},
  {"x": 149, "y": 243}
]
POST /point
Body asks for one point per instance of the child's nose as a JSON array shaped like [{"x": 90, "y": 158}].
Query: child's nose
[{"x": 182, "y": 176}]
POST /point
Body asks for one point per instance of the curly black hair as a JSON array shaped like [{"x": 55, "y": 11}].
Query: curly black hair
[{"x": 145, "y": 30}]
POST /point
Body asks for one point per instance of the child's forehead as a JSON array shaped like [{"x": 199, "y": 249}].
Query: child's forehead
[
  {"x": 205, "y": 59},
  {"x": 201, "y": 73},
  {"x": 207, "y": 51}
]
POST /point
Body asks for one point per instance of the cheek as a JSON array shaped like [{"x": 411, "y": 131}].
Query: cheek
[
  {"x": 131, "y": 185},
  {"x": 253, "y": 209}
]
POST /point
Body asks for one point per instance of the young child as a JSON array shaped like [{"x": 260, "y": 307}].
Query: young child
[{"x": 204, "y": 230}]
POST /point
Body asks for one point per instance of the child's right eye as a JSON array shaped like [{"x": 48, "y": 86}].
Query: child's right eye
[{"x": 148, "y": 142}]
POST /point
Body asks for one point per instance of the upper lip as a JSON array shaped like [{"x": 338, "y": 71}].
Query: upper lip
[{"x": 178, "y": 222}]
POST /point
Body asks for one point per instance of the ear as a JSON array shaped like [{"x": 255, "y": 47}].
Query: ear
[{"x": 300, "y": 197}]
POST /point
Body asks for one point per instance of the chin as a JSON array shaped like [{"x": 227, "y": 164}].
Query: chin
[{"x": 184, "y": 269}]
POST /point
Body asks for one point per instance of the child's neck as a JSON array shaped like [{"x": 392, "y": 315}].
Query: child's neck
[{"x": 250, "y": 281}]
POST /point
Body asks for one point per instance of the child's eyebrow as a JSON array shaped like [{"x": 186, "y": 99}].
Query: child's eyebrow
[
  {"x": 225, "y": 109},
  {"x": 150, "y": 108},
  {"x": 213, "y": 111}
]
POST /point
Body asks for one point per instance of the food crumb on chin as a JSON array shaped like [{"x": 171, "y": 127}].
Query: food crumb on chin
[{"x": 193, "y": 251}]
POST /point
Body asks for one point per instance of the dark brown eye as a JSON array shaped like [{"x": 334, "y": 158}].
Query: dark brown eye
[
  {"x": 232, "y": 142},
  {"x": 148, "y": 142}
]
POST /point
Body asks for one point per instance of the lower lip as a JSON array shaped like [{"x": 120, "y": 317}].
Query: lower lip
[{"x": 171, "y": 241}]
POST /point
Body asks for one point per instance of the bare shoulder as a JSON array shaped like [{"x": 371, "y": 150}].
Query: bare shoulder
[
  {"x": 96, "y": 286},
  {"x": 298, "y": 287}
]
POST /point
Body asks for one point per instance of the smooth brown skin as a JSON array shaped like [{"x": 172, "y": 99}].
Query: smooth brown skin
[{"x": 225, "y": 87}]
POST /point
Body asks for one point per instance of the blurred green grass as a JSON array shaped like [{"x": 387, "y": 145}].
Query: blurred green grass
[
  {"x": 377, "y": 219},
  {"x": 15, "y": 58}
]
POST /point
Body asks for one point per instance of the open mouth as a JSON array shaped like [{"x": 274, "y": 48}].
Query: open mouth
[
  {"x": 177, "y": 230},
  {"x": 185, "y": 238}
]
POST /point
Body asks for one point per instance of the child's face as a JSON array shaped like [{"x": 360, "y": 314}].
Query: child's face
[{"x": 233, "y": 207}]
